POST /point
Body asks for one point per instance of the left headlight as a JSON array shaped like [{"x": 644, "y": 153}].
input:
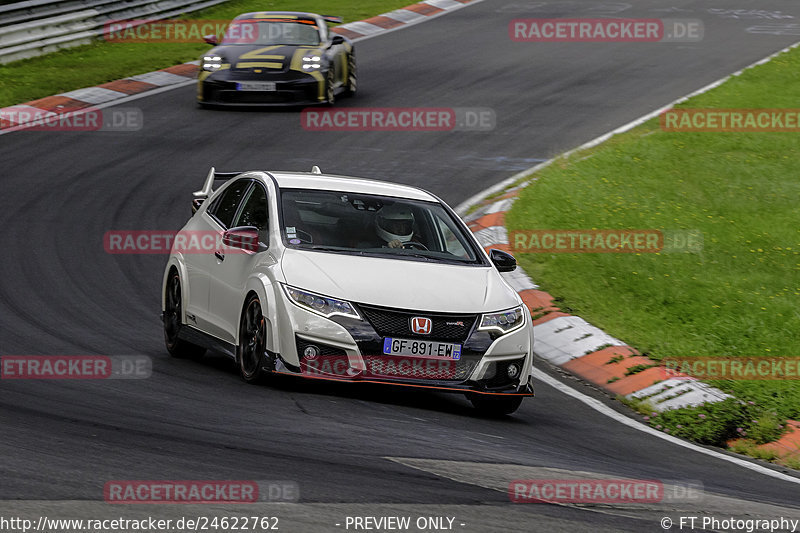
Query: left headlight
[
  {"x": 504, "y": 321},
  {"x": 319, "y": 304},
  {"x": 212, "y": 62},
  {"x": 311, "y": 63}
]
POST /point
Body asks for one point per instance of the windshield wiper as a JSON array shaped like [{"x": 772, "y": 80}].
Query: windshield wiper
[
  {"x": 408, "y": 254},
  {"x": 324, "y": 248}
]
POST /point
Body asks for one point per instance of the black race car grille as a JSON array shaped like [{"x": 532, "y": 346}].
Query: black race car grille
[
  {"x": 411, "y": 368},
  {"x": 253, "y": 97},
  {"x": 391, "y": 323}
]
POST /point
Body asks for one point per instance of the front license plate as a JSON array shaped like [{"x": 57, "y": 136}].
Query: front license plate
[
  {"x": 418, "y": 348},
  {"x": 255, "y": 86}
]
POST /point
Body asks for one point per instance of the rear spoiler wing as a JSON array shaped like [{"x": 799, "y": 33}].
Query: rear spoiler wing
[
  {"x": 332, "y": 18},
  {"x": 198, "y": 197}
]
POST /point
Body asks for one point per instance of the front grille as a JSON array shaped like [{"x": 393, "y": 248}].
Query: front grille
[
  {"x": 395, "y": 323},
  {"x": 411, "y": 368},
  {"x": 256, "y": 97}
]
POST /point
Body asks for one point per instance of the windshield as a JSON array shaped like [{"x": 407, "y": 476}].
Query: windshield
[
  {"x": 302, "y": 32},
  {"x": 373, "y": 225}
]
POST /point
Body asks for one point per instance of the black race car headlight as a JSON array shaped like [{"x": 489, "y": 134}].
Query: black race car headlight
[
  {"x": 212, "y": 63},
  {"x": 311, "y": 63},
  {"x": 504, "y": 321},
  {"x": 319, "y": 304}
]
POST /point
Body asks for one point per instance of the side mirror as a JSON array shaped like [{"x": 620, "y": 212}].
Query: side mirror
[
  {"x": 211, "y": 39},
  {"x": 337, "y": 39},
  {"x": 243, "y": 238},
  {"x": 504, "y": 261}
]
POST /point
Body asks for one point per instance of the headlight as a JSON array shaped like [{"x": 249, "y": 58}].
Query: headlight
[
  {"x": 212, "y": 63},
  {"x": 311, "y": 63},
  {"x": 321, "y": 305},
  {"x": 504, "y": 321}
]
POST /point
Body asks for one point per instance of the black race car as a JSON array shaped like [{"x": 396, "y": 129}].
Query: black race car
[{"x": 277, "y": 58}]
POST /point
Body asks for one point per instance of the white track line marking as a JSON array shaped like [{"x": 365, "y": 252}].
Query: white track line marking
[
  {"x": 474, "y": 199},
  {"x": 569, "y": 391},
  {"x": 602, "y": 408}
]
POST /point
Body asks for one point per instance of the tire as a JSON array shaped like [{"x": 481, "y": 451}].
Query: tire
[
  {"x": 495, "y": 406},
  {"x": 352, "y": 76},
  {"x": 330, "y": 96},
  {"x": 252, "y": 342},
  {"x": 173, "y": 311}
]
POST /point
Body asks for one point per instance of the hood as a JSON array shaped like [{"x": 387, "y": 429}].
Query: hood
[{"x": 403, "y": 284}]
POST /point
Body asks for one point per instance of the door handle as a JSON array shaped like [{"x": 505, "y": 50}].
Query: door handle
[{"x": 219, "y": 256}]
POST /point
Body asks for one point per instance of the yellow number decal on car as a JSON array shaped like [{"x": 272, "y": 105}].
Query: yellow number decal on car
[{"x": 262, "y": 59}]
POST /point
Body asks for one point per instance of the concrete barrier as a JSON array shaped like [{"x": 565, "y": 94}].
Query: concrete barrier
[{"x": 36, "y": 27}]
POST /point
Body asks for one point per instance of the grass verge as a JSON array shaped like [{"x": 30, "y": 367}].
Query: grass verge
[
  {"x": 738, "y": 296},
  {"x": 101, "y": 62}
]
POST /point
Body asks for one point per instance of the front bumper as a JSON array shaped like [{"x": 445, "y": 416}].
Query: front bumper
[
  {"x": 291, "y": 88},
  {"x": 351, "y": 350}
]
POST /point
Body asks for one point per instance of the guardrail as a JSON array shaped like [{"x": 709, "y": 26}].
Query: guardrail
[{"x": 36, "y": 27}]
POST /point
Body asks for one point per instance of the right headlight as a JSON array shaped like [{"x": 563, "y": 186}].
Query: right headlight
[
  {"x": 312, "y": 63},
  {"x": 211, "y": 62},
  {"x": 504, "y": 321},
  {"x": 319, "y": 304}
]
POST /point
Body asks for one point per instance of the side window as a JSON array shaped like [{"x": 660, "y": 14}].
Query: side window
[
  {"x": 255, "y": 213},
  {"x": 224, "y": 207},
  {"x": 451, "y": 242}
]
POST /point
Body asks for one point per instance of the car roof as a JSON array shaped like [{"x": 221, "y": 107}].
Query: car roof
[{"x": 332, "y": 182}]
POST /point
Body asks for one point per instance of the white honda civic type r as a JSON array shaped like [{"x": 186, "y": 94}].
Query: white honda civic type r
[{"x": 349, "y": 279}]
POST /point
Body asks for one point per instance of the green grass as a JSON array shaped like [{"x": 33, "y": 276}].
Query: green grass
[
  {"x": 100, "y": 62},
  {"x": 748, "y": 447},
  {"x": 739, "y": 296}
]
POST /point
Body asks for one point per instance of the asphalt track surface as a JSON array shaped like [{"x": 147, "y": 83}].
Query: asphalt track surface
[{"x": 62, "y": 294}]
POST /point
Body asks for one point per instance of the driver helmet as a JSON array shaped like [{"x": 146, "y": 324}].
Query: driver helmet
[{"x": 395, "y": 222}]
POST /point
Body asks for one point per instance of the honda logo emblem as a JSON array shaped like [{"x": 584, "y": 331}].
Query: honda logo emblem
[{"x": 421, "y": 325}]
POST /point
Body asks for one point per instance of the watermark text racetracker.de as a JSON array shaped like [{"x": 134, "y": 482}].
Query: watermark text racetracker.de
[
  {"x": 186, "y": 31},
  {"x": 606, "y": 241},
  {"x": 731, "y": 120},
  {"x": 75, "y": 367},
  {"x": 605, "y": 491},
  {"x": 378, "y": 367},
  {"x": 732, "y": 524},
  {"x": 732, "y": 368},
  {"x": 86, "y": 119},
  {"x": 199, "y": 492},
  {"x": 605, "y": 30},
  {"x": 185, "y": 242},
  {"x": 399, "y": 119}
]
